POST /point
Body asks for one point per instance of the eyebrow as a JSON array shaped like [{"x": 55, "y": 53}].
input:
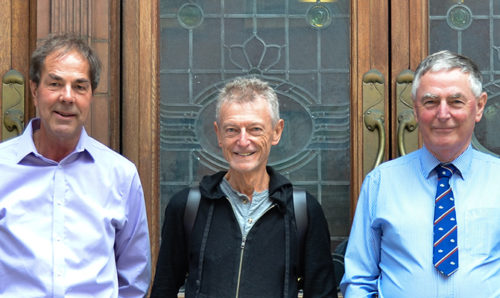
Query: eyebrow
[
  {"x": 429, "y": 96},
  {"x": 433, "y": 96},
  {"x": 456, "y": 95},
  {"x": 58, "y": 78}
]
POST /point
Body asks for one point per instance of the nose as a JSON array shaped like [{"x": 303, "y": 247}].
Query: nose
[
  {"x": 243, "y": 138},
  {"x": 443, "y": 110},
  {"x": 67, "y": 94}
]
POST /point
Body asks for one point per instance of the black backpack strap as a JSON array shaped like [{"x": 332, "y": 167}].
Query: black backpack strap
[
  {"x": 191, "y": 210},
  {"x": 300, "y": 210}
]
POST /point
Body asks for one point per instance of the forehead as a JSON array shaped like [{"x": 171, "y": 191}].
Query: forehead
[
  {"x": 64, "y": 63},
  {"x": 445, "y": 80},
  {"x": 257, "y": 109}
]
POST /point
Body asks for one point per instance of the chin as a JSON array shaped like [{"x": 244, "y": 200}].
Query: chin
[{"x": 243, "y": 168}]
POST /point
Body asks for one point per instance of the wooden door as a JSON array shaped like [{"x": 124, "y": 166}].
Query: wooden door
[
  {"x": 389, "y": 40},
  {"x": 17, "y": 20}
]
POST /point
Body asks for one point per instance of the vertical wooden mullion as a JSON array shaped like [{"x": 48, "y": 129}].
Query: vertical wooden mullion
[{"x": 369, "y": 50}]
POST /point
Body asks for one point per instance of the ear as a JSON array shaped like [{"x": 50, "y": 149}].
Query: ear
[
  {"x": 415, "y": 114},
  {"x": 216, "y": 128},
  {"x": 481, "y": 103},
  {"x": 34, "y": 92},
  {"x": 277, "y": 131}
]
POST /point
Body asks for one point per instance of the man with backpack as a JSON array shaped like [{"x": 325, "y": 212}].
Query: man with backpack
[{"x": 242, "y": 235}]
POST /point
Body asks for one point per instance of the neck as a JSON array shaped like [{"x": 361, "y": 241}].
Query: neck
[
  {"x": 447, "y": 156},
  {"x": 52, "y": 148},
  {"x": 248, "y": 183}
]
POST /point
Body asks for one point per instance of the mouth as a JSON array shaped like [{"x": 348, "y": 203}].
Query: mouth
[
  {"x": 64, "y": 114},
  {"x": 244, "y": 153},
  {"x": 443, "y": 129}
]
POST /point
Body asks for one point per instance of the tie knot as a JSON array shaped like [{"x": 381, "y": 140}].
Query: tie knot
[{"x": 445, "y": 170}]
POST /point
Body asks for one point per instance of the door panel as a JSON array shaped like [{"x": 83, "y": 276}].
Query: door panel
[
  {"x": 15, "y": 51},
  {"x": 97, "y": 21},
  {"x": 301, "y": 49}
]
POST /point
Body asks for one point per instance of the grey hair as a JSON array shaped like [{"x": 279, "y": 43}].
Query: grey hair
[
  {"x": 63, "y": 44},
  {"x": 244, "y": 90},
  {"x": 447, "y": 60}
]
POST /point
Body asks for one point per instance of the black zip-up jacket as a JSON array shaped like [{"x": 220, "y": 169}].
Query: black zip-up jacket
[{"x": 222, "y": 264}]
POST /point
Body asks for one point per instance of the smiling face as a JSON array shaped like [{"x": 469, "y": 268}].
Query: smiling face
[
  {"x": 446, "y": 111},
  {"x": 63, "y": 97},
  {"x": 246, "y": 134}
]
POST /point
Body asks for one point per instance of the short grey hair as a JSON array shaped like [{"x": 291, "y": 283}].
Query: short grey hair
[
  {"x": 248, "y": 89},
  {"x": 447, "y": 60}
]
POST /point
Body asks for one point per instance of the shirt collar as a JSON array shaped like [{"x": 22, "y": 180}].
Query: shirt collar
[
  {"x": 27, "y": 145},
  {"x": 462, "y": 162}
]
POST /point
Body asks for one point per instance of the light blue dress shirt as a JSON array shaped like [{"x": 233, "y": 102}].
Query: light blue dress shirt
[
  {"x": 390, "y": 245},
  {"x": 76, "y": 228}
]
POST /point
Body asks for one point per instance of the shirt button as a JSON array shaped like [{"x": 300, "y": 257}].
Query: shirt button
[
  {"x": 250, "y": 221},
  {"x": 245, "y": 201}
]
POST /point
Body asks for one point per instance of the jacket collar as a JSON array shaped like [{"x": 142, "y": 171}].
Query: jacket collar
[{"x": 278, "y": 186}]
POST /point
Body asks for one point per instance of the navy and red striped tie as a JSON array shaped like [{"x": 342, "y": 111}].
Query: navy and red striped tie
[{"x": 445, "y": 252}]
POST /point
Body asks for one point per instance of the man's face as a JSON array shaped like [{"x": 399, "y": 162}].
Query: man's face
[
  {"x": 246, "y": 135},
  {"x": 446, "y": 111},
  {"x": 63, "y": 96}
]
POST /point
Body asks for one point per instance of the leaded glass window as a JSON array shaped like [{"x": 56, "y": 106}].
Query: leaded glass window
[{"x": 301, "y": 48}]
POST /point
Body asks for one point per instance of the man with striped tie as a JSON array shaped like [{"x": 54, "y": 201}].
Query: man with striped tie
[{"x": 428, "y": 224}]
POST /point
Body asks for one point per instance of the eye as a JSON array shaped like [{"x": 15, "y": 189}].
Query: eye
[
  {"x": 82, "y": 87},
  {"x": 256, "y": 130},
  {"x": 429, "y": 102},
  {"x": 230, "y": 131}
]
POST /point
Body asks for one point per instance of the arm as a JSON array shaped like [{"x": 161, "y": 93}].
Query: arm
[
  {"x": 132, "y": 248},
  {"x": 319, "y": 279},
  {"x": 363, "y": 250},
  {"x": 172, "y": 263}
]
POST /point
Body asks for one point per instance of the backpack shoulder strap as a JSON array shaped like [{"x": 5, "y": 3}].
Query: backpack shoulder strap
[
  {"x": 191, "y": 210},
  {"x": 300, "y": 210}
]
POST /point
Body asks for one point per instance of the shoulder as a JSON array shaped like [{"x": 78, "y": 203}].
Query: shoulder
[
  {"x": 8, "y": 150},
  {"x": 108, "y": 158},
  {"x": 396, "y": 168},
  {"x": 178, "y": 200},
  {"x": 479, "y": 156}
]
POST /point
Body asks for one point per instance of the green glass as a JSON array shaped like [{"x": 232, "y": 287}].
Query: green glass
[
  {"x": 190, "y": 15},
  {"x": 319, "y": 16}
]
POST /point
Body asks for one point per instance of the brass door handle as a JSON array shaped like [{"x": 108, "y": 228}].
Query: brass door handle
[
  {"x": 407, "y": 122},
  {"x": 406, "y": 119},
  {"x": 13, "y": 104},
  {"x": 374, "y": 119}
]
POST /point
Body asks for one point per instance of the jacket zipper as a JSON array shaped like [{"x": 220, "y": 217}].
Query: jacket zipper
[
  {"x": 241, "y": 263},
  {"x": 243, "y": 242}
]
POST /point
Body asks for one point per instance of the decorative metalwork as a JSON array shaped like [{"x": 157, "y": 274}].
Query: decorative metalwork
[
  {"x": 266, "y": 55},
  {"x": 190, "y": 15},
  {"x": 319, "y": 16},
  {"x": 459, "y": 17}
]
